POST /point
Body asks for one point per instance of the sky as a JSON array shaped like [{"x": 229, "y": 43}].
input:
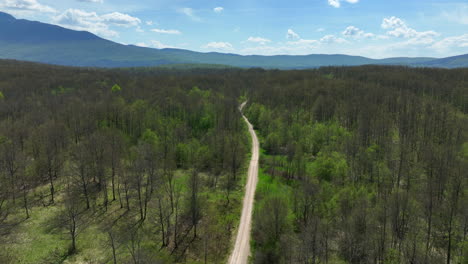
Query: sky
[{"x": 371, "y": 28}]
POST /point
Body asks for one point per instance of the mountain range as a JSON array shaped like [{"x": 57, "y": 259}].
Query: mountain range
[{"x": 40, "y": 42}]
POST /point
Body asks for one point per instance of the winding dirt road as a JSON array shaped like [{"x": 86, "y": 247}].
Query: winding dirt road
[{"x": 241, "y": 252}]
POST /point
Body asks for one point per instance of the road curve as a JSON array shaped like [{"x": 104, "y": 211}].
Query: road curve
[{"x": 241, "y": 252}]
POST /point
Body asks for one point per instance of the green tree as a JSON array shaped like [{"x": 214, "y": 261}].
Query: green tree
[{"x": 116, "y": 88}]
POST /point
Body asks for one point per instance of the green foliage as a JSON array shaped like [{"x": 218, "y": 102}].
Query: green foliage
[
  {"x": 372, "y": 160},
  {"x": 355, "y": 168},
  {"x": 2, "y": 97},
  {"x": 324, "y": 135},
  {"x": 392, "y": 257},
  {"x": 150, "y": 137},
  {"x": 139, "y": 165},
  {"x": 116, "y": 88},
  {"x": 330, "y": 167},
  {"x": 329, "y": 76},
  {"x": 464, "y": 151},
  {"x": 199, "y": 94}
]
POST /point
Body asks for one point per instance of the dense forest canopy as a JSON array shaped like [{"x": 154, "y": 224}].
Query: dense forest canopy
[
  {"x": 359, "y": 165},
  {"x": 118, "y": 166},
  {"x": 362, "y": 165}
]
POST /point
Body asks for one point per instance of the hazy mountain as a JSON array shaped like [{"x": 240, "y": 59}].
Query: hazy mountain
[
  {"x": 460, "y": 61},
  {"x": 35, "y": 41}
]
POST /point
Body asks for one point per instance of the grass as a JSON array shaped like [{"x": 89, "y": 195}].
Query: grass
[{"x": 39, "y": 239}]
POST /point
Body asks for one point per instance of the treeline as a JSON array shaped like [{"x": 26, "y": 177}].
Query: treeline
[
  {"x": 118, "y": 166},
  {"x": 362, "y": 165}
]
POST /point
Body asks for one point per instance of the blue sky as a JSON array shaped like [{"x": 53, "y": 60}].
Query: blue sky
[{"x": 372, "y": 28}]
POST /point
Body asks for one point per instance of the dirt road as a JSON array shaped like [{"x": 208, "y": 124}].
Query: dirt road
[{"x": 241, "y": 251}]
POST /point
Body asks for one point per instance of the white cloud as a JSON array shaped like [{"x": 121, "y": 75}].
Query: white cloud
[
  {"x": 190, "y": 13},
  {"x": 398, "y": 28},
  {"x": 292, "y": 35},
  {"x": 219, "y": 46},
  {"x": 392, "y": 22},
  {"x": 259, "y": 40},
  {"x": 218, "y": 9},
  {"x": 90, "y": 21},
  {"x": 120, "y": 19},
  {"x": 451, "y": 42},
  {"x": 308, "y": 44},
  {"x": 331, "y": 39},
  {"x": 149, "y": 23},
  {"x": 380, "y": 37},
  {"x": 320, "y": 29},
  {"x": 159, "y": 45},
  {"x": 355, "y": 32},
  {"x": 352, "y": 31},
  {"x": 92, "y": 1},
  {"x": 167, "y": 31},
  {"x": 337, "y": 3},
  {"x": 334, "y": 3},
  {"x": 303, "y": 42},
  {"x": 26, "y": 5},
  {"x": 299, "y": 47},
  {"x": 81, "y": 20},
  {"x": 142, "y": 44}
]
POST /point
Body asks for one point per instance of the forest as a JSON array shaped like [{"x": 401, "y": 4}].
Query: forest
[
  {"x": 147, "y": 165},
  {"x": 362, "y": 165},
  {"x": 119, "y": 166}
]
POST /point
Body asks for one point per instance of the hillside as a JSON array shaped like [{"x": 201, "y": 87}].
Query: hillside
[{"x": 39, "y": 42}]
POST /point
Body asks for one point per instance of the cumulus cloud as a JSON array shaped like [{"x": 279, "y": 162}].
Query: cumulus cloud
[
  {"x": 398, "y": 28},
  {"x": 259, "y": 40},
  {"x": 81, "y": 20},
  {"x": 355, "y": 32},
  {"x": 190, "y": 13},
  {"x": 292, "y": 35},
  {"x": 26, "y": 5},
  {"x": 219, "y": 46},
  {"x": 98, "y": 24},
  {"x": 337, "y": 3},
  {"x": 334, "y": 3},
  {"x": 352, "y": 31},
  {"x": 167, "y": 31},
  {"x": 149, "y": 23},
  {"x": 218, "y": 9},
  {"x": 120, "y": 19}
]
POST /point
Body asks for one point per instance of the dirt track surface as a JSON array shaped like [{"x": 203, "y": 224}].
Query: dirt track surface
[{"x": 241, "y": 252}]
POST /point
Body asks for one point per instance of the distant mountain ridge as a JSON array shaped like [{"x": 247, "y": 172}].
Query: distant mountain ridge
[{"x": 40, "y": 42}]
